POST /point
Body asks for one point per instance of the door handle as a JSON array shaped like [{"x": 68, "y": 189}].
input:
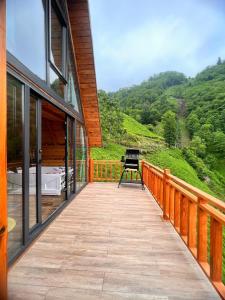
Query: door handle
[{"x": 2, "y": 230}]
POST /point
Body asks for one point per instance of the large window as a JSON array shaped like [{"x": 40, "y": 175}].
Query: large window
[
  {"x": 26, "y": 34},
  {"x": 81, "y": 156},
  {"x": 38, "y": 37},
  {"x": 15, "y": 92}
]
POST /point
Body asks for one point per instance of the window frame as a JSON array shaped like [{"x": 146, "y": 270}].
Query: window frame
[
  {"x": 53, "y": 5},
  {"x": 17, "y": 67}
]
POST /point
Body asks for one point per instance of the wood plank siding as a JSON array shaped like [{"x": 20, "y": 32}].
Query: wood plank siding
[{"x": 82, "y": 41}]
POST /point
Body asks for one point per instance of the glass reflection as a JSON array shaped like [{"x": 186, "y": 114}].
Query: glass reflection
[
  {"x": 15, "y": 164},
  {"x": 81, "y": 156},
  {"x": 26, "y": 34},
  {"x": 56, "y": 40},
  {"x": 72, "y": 92},
  {"x": 56, "y": 83}
]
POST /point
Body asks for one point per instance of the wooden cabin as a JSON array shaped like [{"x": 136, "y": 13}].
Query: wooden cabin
[
  {"x": 49, "y": 116},
  {"x": 164, "y": 242}
]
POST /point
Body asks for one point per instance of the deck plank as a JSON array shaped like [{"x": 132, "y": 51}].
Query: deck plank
[{"x": 109, "y": 243}]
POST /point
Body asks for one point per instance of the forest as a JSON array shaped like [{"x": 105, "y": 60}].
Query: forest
[{"x": 176, "y": 122}]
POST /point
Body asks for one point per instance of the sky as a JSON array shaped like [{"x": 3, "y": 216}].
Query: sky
[{"x": 134, "y": 40}]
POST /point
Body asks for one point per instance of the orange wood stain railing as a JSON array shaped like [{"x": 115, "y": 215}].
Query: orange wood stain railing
[
  {"x": 109, "y": 171},
  {"x": 197, "y": 216},
  {"x": 193, "y": 213}
]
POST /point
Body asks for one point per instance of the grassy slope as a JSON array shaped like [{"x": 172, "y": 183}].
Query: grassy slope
[
  {"x": 161, "y": 156},
  {"x": 110, "y": 151},
  {"x": 173, "y": 160},
  {"x": 185, "y": 139},
  {"x": 134, "y": 127}
]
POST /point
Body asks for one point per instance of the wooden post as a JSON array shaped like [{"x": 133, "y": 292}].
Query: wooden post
[
  {"x": 202, "y": 233},
  {"x": 165, "y": 197},
  {"x": 177, "y": 210},
  {"x": 183, "y": 216},
  {"x": 192, "y": 225},
  {"x": 3, "y": 151},
  {"x": 143, "y": 172},
  {"x": 216, "y": 248},
  {"x": 91, "y": 170},
  {"x": 171, "y": 201}
]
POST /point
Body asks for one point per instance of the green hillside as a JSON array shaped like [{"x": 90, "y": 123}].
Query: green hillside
[
  {"x": 175, "y": 121},
  {"x": 134, "y": 127},
  {"x": 158, "y": 154}
]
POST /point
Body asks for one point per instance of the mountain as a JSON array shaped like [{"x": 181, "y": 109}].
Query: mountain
[{"x": 190, "y": 111}]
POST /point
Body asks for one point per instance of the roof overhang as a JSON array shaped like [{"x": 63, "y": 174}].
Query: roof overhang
[{"x": 84, "y": 57}]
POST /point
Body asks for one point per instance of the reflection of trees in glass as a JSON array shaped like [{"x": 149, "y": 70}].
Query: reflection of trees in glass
[
  {"x": 56, "y": 83},
  {"x": 72, "y": 96},
  {"x": 14, "y": 121},
  {"x": 81, "y": 156}
]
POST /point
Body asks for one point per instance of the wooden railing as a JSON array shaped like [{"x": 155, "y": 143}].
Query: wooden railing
[
  {"x": 197, "y": 216},
  {"x": 109, "y": 170}
]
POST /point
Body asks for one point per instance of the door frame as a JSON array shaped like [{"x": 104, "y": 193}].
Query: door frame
[
  {"x": 38, "y": 144},
  {"x": 3, "y": 155}
]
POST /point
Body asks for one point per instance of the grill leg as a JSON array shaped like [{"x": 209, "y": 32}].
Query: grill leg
[
  {"x": 121, "y": 178},
  {"x": 142, "y": 182}
]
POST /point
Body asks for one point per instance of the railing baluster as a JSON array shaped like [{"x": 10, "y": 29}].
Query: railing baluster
[
  {"x": 184, "y": 217},
  {"x": 216, "y": 248},
  {"x": 171, "y": 206},
  {"x": 192, "y": 225},
  {"x": 165, "y": 194},
  {"x": 177, "y": 210},
  {"x": 202, "y": 232}
]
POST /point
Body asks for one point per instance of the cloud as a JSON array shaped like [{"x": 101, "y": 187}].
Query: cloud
[{"x": 176, "y": 38}]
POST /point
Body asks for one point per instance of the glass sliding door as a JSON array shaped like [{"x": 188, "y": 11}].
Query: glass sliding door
[
  {"x": 41, "y": 162},
  {"x": 53, "y": 166},
  {"x": 81, "y": 156},
  {"x": 15, "y": 99},
  {"x": 34, "y": 176}
]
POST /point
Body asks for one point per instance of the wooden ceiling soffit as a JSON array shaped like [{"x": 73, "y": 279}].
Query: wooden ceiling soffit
[{"x": 84, "y": 57}]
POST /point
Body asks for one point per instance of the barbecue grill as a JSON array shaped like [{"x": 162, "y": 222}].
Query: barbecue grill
[{"x": 131, "y": 164}]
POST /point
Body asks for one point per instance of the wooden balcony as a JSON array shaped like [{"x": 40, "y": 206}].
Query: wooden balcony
[{"x": 111, "y": 243}]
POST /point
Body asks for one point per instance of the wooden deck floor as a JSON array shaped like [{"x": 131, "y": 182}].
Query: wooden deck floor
[{"x": 109, "y": 243}]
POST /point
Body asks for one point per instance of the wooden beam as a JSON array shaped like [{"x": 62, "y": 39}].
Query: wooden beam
[
  {"x": 3, "y": 160},
  {"x": 83, "y": 48}
]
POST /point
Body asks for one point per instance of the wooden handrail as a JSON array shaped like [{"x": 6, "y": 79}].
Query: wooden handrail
[{"x": 197, "y": 216}]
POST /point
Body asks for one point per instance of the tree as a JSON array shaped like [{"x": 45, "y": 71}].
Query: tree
[
  {"x": 111, "y": 117},
  {"x": 193, "y": 123},
  {"x": 217, "y": 144},
  {"x": 150, "y": 116},
  {"x": 198, "y": 147},
  {"x": 170, "y": 128},
  {"x": 219, "y": 61}
]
